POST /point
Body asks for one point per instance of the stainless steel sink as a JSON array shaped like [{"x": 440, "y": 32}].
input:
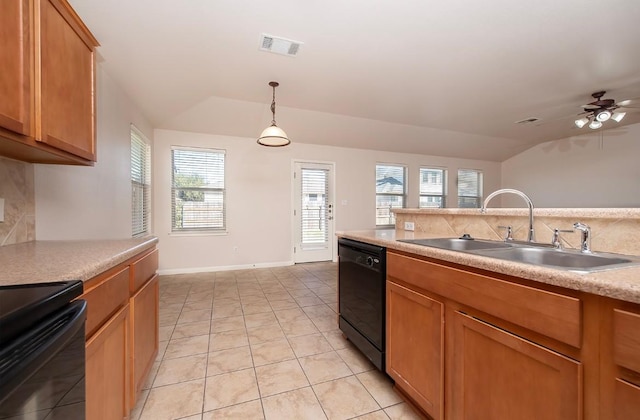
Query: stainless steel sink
[
  {"x": 535, "y": 254},
  {"x": 563, "y": 259},
  {"x": 458, "y": 244}
]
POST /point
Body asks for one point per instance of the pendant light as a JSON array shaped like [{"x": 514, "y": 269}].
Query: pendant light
[{"x": 273, "y": 136}]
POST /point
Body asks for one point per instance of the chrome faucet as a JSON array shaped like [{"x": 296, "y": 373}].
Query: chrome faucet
[
  {"x": 483, "y": 209},
  {"x": 585, "y": 237}
]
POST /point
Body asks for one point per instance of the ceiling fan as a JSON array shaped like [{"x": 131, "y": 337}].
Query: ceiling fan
[{"x": 601, "y": 110}]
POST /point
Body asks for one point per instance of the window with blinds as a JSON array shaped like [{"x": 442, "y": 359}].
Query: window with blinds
[
  {"x": 315, "y": 194},
  {"x": 432, "y": 188},
  {"x": 469, "y": 188},
  {"x": 197, "y": 190},
  {"x": 140, "y": 183},
  {"x": 391, "y": 192}
]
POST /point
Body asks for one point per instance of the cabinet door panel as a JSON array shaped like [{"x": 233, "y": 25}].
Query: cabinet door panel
[
  {"x": 66, "y": 83},
  {"x": 626, "y": 339},
  {"x": 144, "y": 332},
  {"x": 497, "y": 375},
  {"x": 415, "y": 340},
  {"x": 15, "y": 62},
  {"x": 627, "y": 401},
  {"x": 107, "y": 372}
]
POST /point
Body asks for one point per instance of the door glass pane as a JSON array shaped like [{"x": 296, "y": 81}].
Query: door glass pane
[{"x": 314, "y": 206}]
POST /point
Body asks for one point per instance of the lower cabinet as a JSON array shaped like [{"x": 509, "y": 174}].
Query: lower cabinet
[
  {"x": 415, "y": 344},
  {"x": 144, "y": 333},
  {"x": 498, "y": 375},
  {"x": 107, "y": 371}
]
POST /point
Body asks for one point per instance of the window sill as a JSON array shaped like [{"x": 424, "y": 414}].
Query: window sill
[{"x": 220, "y": 233}]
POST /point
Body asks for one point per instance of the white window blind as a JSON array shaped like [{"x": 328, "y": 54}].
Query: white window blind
[
  {"x": 315, "y": 194},
  {"x": 390, "y": 192},
  {"x": 469, "y": 188},
  {"x": 140, "y": 183},
  {"x": 198, "y": 190},
  {"x": 432, "y": 188}
]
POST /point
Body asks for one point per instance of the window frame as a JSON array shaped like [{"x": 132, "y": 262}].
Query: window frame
[
  {"x": 140, "y": 185},
  {"x": 478, "y": 197},
  {"x": 403, "y": 195},
  {"x": 443, "y": 195},
  {"x": 197, "y": 230}
]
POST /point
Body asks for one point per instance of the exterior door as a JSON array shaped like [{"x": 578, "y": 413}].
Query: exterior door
[{"x": 313, "y": 212}]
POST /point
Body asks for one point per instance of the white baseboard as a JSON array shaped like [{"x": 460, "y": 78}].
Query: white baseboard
[{"x": 172, "y": 271}]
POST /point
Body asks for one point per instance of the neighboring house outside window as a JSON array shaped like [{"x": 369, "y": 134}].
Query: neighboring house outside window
[
  {"x": 469, "y": 188},
  {"x": 140, "y": 183},
  {"x": 198, "y": 190},
  {"x": 432, "y": 188},
  {"x": 391, "y": 192}
]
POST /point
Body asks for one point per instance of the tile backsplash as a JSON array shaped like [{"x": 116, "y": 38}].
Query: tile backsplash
[{"x": 17, "y": 189}]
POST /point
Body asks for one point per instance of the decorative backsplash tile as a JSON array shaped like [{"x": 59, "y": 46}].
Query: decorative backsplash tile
[
  {"x": 17, "y": 189},
  {"x": 612, "y": 230}
]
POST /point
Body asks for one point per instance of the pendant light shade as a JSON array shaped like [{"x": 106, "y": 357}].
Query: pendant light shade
[{"x": 273, "y": 136}]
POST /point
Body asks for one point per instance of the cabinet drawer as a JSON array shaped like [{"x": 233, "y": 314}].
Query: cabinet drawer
[
  {"x": 626, "y": 339},
  {"x": 627, "y": 400},
  {"x": 143, "y": 270},
  {"x": 105, "y": 299},
  {"x": 547, "y": 313}
]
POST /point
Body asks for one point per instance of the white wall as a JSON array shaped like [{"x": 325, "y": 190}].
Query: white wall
[
  {"x": 93, "y": 202},
  {"x": 256, "y": 174},
  {"x": 597, "y": 169}
]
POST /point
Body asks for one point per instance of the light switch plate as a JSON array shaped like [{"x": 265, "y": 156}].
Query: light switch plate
[{"x": 1, "y": 209}]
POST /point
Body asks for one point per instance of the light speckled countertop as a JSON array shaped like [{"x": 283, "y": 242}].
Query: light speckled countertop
[
  {"x": 45, "y": 261},
  {"x": 623, "y": 284}
]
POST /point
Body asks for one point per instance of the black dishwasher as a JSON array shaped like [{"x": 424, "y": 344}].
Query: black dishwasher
[{"x": 361, "y": 284}]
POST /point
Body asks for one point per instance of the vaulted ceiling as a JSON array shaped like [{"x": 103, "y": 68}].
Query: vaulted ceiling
[{"x": 446, "y": 78}]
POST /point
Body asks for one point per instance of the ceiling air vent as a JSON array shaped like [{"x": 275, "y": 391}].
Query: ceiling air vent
[
  {"x": 279, "y": 45},
  {"x": 528, "y": 120}
]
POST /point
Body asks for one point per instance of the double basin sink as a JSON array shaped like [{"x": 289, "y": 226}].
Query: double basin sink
[{"x": 531, "y": 253}]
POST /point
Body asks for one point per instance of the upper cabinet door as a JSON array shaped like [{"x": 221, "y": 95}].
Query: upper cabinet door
[
  {"x": 65, "y": 80},
  {"x": 15, "y": 65}
]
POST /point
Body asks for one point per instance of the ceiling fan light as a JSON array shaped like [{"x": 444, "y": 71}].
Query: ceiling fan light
[
  {"x": 603, "y": 115},
  {"x": 618, "y": 116},
  {"x": 595, "y": 124},
  {"x": 273, "y": 136},
  {"x": 581, "y": 122}
]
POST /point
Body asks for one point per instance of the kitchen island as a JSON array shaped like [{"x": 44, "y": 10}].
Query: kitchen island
[
  {"x": 470, "y": 336},
  {"x": 121, "y": 288}
]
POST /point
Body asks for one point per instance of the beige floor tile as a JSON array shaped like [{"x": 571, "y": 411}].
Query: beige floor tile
[
  {"x": 271, "y": 352},
  {"x": 194, "y": 316},
  {"x": 229, "y": 360},
  {"x": 309, "y": 344},
  {"x": 187, "y": 347},
  {"x": 191, "y": 330},
  {"x": 171, "y": 308},
  {"x": 300, "y": 404},
  {"x": 227, "y": 324},
  {"x": 256, "y": 308},
  {"x": 309, "y": 301},
  {"x": 183, "y": 369},
  {"x": 261, "y": 319},
  {"x": 345, "y": 398},
  {"x": 228, "y": 339},
  {"x": 162, "y": 348},
  {"x": 298, "y": 327},
  {"x": 148, "y": 383},
  {"x": 287, "y": 303},
  {"x": 302, "y": 292},
  {"x": 251, "y": 410},
  {"x": 401, "y": 412},
  {"x": 376, "y": 415},
  {"x": 319, "y": 311},
  {"x": 137, "y": 410},
  {"x": 278, "y": 296},
  {"x": 230, "y": 388},
  {"x": 168, "y": 319},
  {"x": 164, "y": 333},
  {"x": 257, "y": 298},
  {"x": 356, "y": 361},
  {"x": 324, "y": 367},
  {"x": 280, "y": 377},
  {"x": 336, "y": 339},
  {"x": 197, "y": 305},
  {"x": 174, "y": 401},
  {"x": 290, "y": 315},
  {"x": 226, "y": 301},
  {"x": 266, "y": 333},
  {"x": 380, "y": 387},
  {"x": 326, "y": 323},
  {"x": 226, "y": 310},
  {"x": 199, "y": 297},
  {"x": 195, "y": 417}
]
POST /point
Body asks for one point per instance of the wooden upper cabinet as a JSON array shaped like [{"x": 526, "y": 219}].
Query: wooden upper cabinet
[
  {"x": 65, "y": 80},
  {"x": 47, "y": 83},
  {"x": 15, "y": 62}
]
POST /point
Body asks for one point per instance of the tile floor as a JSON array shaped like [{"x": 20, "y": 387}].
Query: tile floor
[{"x": 260, "y": 344}]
